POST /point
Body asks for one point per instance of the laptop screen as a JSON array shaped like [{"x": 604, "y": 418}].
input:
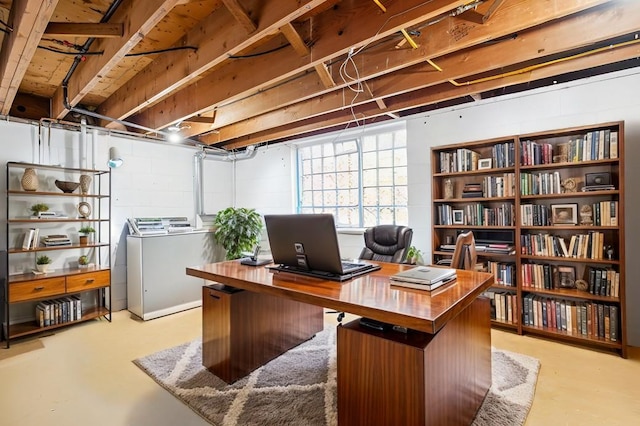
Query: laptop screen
[{"x": 305, "y": 241}]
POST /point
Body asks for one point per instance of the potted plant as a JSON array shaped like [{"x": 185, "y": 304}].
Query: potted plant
[
  {"x": 83, "y": 261},
  {"x": 42, "y": 263},
  {"x": 40, "y": 207},
  {"x": 237, "y": 230},
  {"x": 85, "y": 231},
  {"x": 413, "y": 255}
]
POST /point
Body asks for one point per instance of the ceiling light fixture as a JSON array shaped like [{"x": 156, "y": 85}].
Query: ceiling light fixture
[{"x": 115, "y": 160}]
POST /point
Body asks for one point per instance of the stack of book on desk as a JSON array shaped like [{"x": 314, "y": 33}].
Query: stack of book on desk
[{"x": 424, "y": 277}]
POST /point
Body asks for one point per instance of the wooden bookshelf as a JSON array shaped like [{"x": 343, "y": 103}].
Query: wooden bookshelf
[{"x": 537, "y": 190}]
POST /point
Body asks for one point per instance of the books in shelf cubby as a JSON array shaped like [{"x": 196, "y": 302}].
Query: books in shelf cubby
[
  {"x": 568, "y": 228},
  {"x": 59, "y": 311}
]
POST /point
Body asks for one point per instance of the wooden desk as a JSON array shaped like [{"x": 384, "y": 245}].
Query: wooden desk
[{"x": 438, "y": 373}]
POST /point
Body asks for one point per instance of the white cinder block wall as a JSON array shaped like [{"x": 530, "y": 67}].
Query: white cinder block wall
[{"x": 156, "y": 179}]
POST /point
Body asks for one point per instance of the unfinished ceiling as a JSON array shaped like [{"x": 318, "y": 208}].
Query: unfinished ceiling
[{"x": 233, "y": 73}]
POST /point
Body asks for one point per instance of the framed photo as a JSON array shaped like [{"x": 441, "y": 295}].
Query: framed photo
[
  {"x": 564, "y": 214},
  {"x": 458, "y": 217},
  {"x": 564, "y": 277},
  {"x": 484, "y": 163}
]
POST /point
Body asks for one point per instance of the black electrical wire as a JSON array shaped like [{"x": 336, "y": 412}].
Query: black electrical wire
[
  {"x": 170, "y": 49},
  {"x": 259, "y": 53}
]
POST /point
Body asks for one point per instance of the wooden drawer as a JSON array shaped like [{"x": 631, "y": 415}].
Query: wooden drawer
[
  {"x": 82, "y": 282},
  {"x": 36, "y": 289}
]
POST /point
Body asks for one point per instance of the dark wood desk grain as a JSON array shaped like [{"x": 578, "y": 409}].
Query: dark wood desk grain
[
  {"x": 438, "y": 373},
  {"x": 371, "y": 295}
]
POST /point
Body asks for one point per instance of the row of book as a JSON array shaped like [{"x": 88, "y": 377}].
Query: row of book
[
  {"x": 546, "y": 276},
  {"x": 596, "y": 145},
  {"x": 503, "y": 305},
  {"x": 533, "y": 153},
  {"x": 504, "y": 273},
  {"x": 33, "y": 240},
  {"x": 577, "y": 318},
  {"x": 580, "y": 246},
  {"x": 464, "y": 159},
  {"x": 604, "y": 282},
  {"x": 535, "y": 215},
  {"x": 59, "y": 311},
  {"x": 605, "y": 213},
  {"x": 540, "y": 183},
  {"x": 476, "y": 214},
  {"x": 499, "y": 186}
]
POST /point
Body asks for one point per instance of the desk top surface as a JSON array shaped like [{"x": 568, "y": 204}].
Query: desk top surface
[{"x": 371, "y": 295}]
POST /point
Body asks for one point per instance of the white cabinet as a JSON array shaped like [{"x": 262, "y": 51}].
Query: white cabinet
[{"x": 157, "y": 283}]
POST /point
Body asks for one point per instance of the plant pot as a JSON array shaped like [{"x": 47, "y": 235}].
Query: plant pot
[
  {"x": 84, "y": 240},
  {"x": 43, "y": 268}
]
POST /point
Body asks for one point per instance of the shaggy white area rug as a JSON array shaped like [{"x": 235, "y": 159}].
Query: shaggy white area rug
[{"x": 299, "y": 387}]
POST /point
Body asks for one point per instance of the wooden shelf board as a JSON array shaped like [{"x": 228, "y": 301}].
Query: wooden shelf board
[
  {"x": 33, "y": 221},
  {"x": 571, "y": 292},
  {"x": 569, "y": 259},
  {"x": 72, "y": 246},
  {"x": 27, "y": 328},
  {"x": 572, "y": 164},
  {"x": 54, "y": 194},
  {"x": 30, "y": 276},
  {"x": 577, "y": 194},
  {"x": 557, "y": 334},
  {"x": 504, "y": 324}
]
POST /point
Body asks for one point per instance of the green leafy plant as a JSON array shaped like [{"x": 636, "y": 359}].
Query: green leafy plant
[
  {"x": 413, "y": 255},
  {"x": 40, "y": 207},
  {"x": 237, "y": 230},
  {"x": 43, "y": 260},
  {"x": 86, "y": 230}
]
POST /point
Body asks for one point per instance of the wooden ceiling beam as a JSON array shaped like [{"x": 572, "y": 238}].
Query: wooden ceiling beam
[
  {"x": 97, "y": 30},
  {"x": 28, "y": 18},
  {"x": 179, "y": 68},
  {"x": 431, "y": 95},
  {"x": 533, "y": 44},
  {"x": 337, "y": 30},
  {"x": 241, "y": 15},
  {"x": 140, "y": 18}
]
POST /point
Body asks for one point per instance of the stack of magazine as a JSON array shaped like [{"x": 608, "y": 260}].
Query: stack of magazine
[
  {"x": 424, "y": 277},
  {"x": 56, "y": 240}
]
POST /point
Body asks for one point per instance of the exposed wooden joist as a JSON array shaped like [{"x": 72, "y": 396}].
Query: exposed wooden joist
[
  {"x": 140, "y": 17},
  {"x": 28, "y": 18},
  {"x": 338, "y": 31},
  {"x": 165, "y": 74},
  {"x": 293, "y": 37},
  {"x": 98, "y": 30},
  {"x": 494, "y": 6},
  {"x": 241, "y": 15},
  {"x": 508, "y": 21},
  {"x": 434, "y": 94},
  {"x": 445, "y": 91}
]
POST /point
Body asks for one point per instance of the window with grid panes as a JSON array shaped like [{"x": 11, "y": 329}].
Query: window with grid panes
[{"x": 361, "y": 180}]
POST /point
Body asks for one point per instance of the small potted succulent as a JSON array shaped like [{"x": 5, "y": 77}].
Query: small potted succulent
[
  {"x": 43, "y": 263},
  {"x": 40, "y": 207},
  {"x": 83, "y": 261},
  {"x": 86, "y": 231}
]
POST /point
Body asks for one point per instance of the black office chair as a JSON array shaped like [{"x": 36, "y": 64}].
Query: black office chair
[
  {"x": 387, "y": 243},
  {"x": 464, "y": 255},
  {"x": 384, "y": 243}
]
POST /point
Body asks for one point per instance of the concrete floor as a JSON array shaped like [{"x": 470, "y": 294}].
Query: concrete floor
[{"x": 83, "y": 375}]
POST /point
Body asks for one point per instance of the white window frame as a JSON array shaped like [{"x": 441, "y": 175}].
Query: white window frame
[{"x": 396, "y": 213}]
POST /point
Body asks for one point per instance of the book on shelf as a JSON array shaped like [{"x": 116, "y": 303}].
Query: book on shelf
[{"x": 28, "y": 238}]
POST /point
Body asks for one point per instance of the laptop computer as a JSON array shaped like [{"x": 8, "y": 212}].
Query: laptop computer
[
  {"x": 307, "y": 244},
  {"x": 424, "y": 277}
]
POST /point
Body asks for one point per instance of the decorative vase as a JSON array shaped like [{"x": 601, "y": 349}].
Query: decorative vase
[
  {"x": 448, "y": 189},
  {"x": 84, "y": 240},
  {"x": 29, "y": 180},
  {"x": 85, "y": 182}
]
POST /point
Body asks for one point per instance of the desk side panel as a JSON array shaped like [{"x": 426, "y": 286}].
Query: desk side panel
[{"x": 243, "y": 330}]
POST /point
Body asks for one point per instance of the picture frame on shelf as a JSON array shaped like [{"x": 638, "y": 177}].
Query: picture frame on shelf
[
  {"x": 484, "y": 163},
  {"x": 458, "y": 217},
  {"x": 564, "y": 277},
  {"x": 564, "y": 214}
]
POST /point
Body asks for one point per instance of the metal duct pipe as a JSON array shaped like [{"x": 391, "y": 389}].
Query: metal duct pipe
[{"x": 198, "y": 183}]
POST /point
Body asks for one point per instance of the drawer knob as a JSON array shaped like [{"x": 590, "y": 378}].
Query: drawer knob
[
  {"x": 90, "y": 280},
  {"x": 38, "y": 288}
]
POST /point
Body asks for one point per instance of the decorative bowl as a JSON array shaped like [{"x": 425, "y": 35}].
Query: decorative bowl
[{"x": 66, "y": 186}]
